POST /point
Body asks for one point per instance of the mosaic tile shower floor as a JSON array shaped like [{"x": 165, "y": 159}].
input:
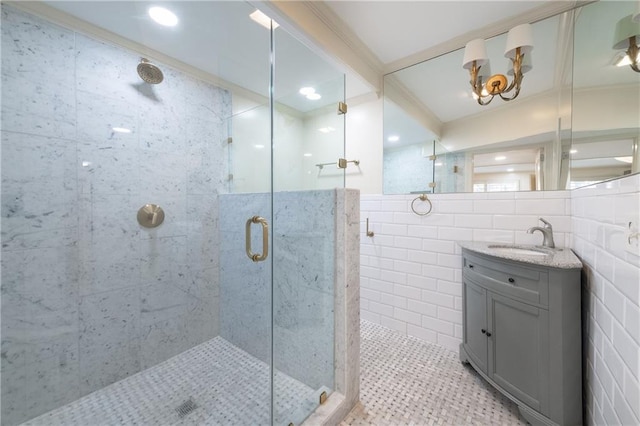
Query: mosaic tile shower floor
[
  {"x": 405, "y": 381},
  {"x": 214, "y": 383}
]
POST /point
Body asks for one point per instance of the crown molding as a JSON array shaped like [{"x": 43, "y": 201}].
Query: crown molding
[
  {"x": 539, "y": 13},
  {"x": 323, "y": 30}
]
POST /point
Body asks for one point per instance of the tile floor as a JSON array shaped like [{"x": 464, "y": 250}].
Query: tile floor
[
  {"x": 405, "y": 381},
  {"x": 215, "y": 383}
]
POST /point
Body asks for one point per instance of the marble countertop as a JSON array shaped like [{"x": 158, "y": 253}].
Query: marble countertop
[{"x": 562, "y": 258}]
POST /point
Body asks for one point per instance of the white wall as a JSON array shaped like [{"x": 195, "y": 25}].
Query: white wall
[
  {"x": 611, "y": 297},
  {"x": 364, "y": 143}
]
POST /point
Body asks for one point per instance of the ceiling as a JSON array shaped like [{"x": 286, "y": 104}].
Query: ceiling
[{"x": 393, "y": 30}]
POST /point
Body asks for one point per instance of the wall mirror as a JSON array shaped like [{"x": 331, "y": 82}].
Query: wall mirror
[{"x": 566, "y": 129}]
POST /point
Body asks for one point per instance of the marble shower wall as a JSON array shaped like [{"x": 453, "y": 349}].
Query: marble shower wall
[
  {"x": 304, "y": 234},
  {"x": 88, "y": 296}
]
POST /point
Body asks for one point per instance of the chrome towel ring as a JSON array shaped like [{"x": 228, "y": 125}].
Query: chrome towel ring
[{"x": 422, "y": 197}]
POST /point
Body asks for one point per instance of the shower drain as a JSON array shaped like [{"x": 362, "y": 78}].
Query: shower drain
[{"x": 186, "y": 407}]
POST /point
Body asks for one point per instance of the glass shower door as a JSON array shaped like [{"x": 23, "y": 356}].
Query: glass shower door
[{"x": 308, "y": 141}]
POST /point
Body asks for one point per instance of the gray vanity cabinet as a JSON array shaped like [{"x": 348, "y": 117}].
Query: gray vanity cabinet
[{"x": 522, "y": 333}]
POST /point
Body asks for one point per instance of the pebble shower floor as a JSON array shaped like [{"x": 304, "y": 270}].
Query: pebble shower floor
[
  {"x": 214, "y": 383},
  {"x": 405, "y": 381}
]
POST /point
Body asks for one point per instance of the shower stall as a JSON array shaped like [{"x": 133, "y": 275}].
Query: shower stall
[{"x": 171, "y": 251}]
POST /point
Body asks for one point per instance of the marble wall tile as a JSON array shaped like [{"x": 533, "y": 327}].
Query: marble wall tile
[
  {"x": 107, "y": 362},
  {"x": 39, "y": 204},
  {"x": 37, "y": 89}
]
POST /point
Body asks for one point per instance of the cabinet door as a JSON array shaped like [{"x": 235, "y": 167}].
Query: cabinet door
[
  {"x": 475, "y": 323},
  {"x": 519, "y": 350}
]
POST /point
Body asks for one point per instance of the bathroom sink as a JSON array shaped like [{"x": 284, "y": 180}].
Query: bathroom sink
[{"x": 514, "y": 250}]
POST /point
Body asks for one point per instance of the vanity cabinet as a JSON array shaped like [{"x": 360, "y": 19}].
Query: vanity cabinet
[{"x": 522, "y": 333}]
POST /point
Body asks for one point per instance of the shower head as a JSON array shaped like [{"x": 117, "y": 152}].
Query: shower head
[{"x": 149, "y": 73}]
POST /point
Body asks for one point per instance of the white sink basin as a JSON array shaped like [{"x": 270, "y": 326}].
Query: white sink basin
[{"x": 519, "y": 251}]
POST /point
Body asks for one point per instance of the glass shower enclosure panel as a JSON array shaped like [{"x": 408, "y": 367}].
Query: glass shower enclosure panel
[{"x": 308, "y": 141}]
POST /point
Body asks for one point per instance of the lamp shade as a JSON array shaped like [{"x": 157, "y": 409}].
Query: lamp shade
[
  {"x": 475, "y": 50},
  {"x": 636, "y": 16},
  {"x": 520, "y": 36},
  {"x": 624, "y": 29}
]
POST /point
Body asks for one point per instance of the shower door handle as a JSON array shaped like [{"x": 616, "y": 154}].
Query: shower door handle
[{"x": 257, "y": 257}]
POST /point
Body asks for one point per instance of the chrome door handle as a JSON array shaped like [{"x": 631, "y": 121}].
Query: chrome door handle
[{"x": 257, "y": 257}]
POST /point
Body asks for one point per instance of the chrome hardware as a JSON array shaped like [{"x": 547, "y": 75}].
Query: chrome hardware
[
  {"x": 488, "y": 334},
  {"x": 511, "y": 280},
  {"x": 422, "y": 197},
  {"x": 257, "y": 257},
  {"x": 369, "y": 233},
  {"x": 150, "y": 216},
  {"x": 342, "y": 108},
  {"x": 547, "y": 233},
  {"x": 483, "y": 330}
]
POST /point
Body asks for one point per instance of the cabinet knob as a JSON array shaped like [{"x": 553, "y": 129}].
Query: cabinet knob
[
  {"x": 488, "y": 334},
  {"x": 483, "y": 331},
  {"x": 511, "y": 280}
]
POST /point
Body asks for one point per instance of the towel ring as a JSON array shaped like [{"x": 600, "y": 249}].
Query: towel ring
[{"x": 422, "y": 197}]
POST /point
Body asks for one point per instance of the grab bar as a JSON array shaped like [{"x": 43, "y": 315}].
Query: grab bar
[{"x": 257, "y": 257}]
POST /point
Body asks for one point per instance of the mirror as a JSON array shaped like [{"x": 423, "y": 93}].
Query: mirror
[{"x": 437, "y": 138}]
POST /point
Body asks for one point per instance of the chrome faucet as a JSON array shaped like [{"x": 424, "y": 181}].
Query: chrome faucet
[{"x": 547, "y": 233}]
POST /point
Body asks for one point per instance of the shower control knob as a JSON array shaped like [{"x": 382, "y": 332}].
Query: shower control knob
[{"x": 150, "y": 215}]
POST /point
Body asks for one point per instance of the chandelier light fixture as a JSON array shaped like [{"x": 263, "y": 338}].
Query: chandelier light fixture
[
  {"x": 627, "y": 36},
  {"x": 484, "y": 85}
]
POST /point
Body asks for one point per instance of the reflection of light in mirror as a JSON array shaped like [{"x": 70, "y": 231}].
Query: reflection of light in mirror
[
  {"x": 573, "y": 151},
  {"x": 259, "y": 146},
  {"x": 163, "y": 16},
  {"x": 500, "y": 158},
  {"x": 121, "y": 130},
  {"x": 263, "y": 19},
  {"x": 393, "y": 138},
  {"x": 625, "y": 159},
  {"x": 621, "y": 60},
  {"x": 306, "y": 91},
  {"x": 86, "y": 163},
  {"x": 326, "y": 129},
  {"x": 438, "y": 164},
  {"x": 510, "y": 170},
  {"x": 307, "y": 154},
  {"x": 313, "y": 96}
]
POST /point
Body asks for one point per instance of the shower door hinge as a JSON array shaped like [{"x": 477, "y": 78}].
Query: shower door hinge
[
  {"x": 432, "y": 184},
  {"x": 342, "y": 163},
  {"x": 432, "y": 157},
  {"x": 229, "y": 140},
  {"x": 342, "y": 108},
  {"x": 323, "y": 397}
]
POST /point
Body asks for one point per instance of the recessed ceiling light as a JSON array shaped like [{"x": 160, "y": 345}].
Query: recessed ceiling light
[
  {"x": 308, "y": 154},
  {"x": 306, "y": 91},
  {"x": 259, "y": 146},
  {"x": 263, "y": 19},
  {"x": 313, "y": 96},
  {"x": 326, "y": 129},
  {"x": 393, "y": 138},
  {"x": 121, "y": 130},
  {"x": 163, "y": 16},
  {"x": 438, "y": 164},
  {"x": 500, "y": 158},
  {"x": 509, "y": 170},
  {"x": 573, "y": 151}
]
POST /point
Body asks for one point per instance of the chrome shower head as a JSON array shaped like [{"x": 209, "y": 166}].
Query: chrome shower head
[{"x": 149, "y": 73}]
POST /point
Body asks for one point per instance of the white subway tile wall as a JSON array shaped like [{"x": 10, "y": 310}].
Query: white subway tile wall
[
  {"x": 411, "y": 274},
  {"x": 611, "y": 293}
]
